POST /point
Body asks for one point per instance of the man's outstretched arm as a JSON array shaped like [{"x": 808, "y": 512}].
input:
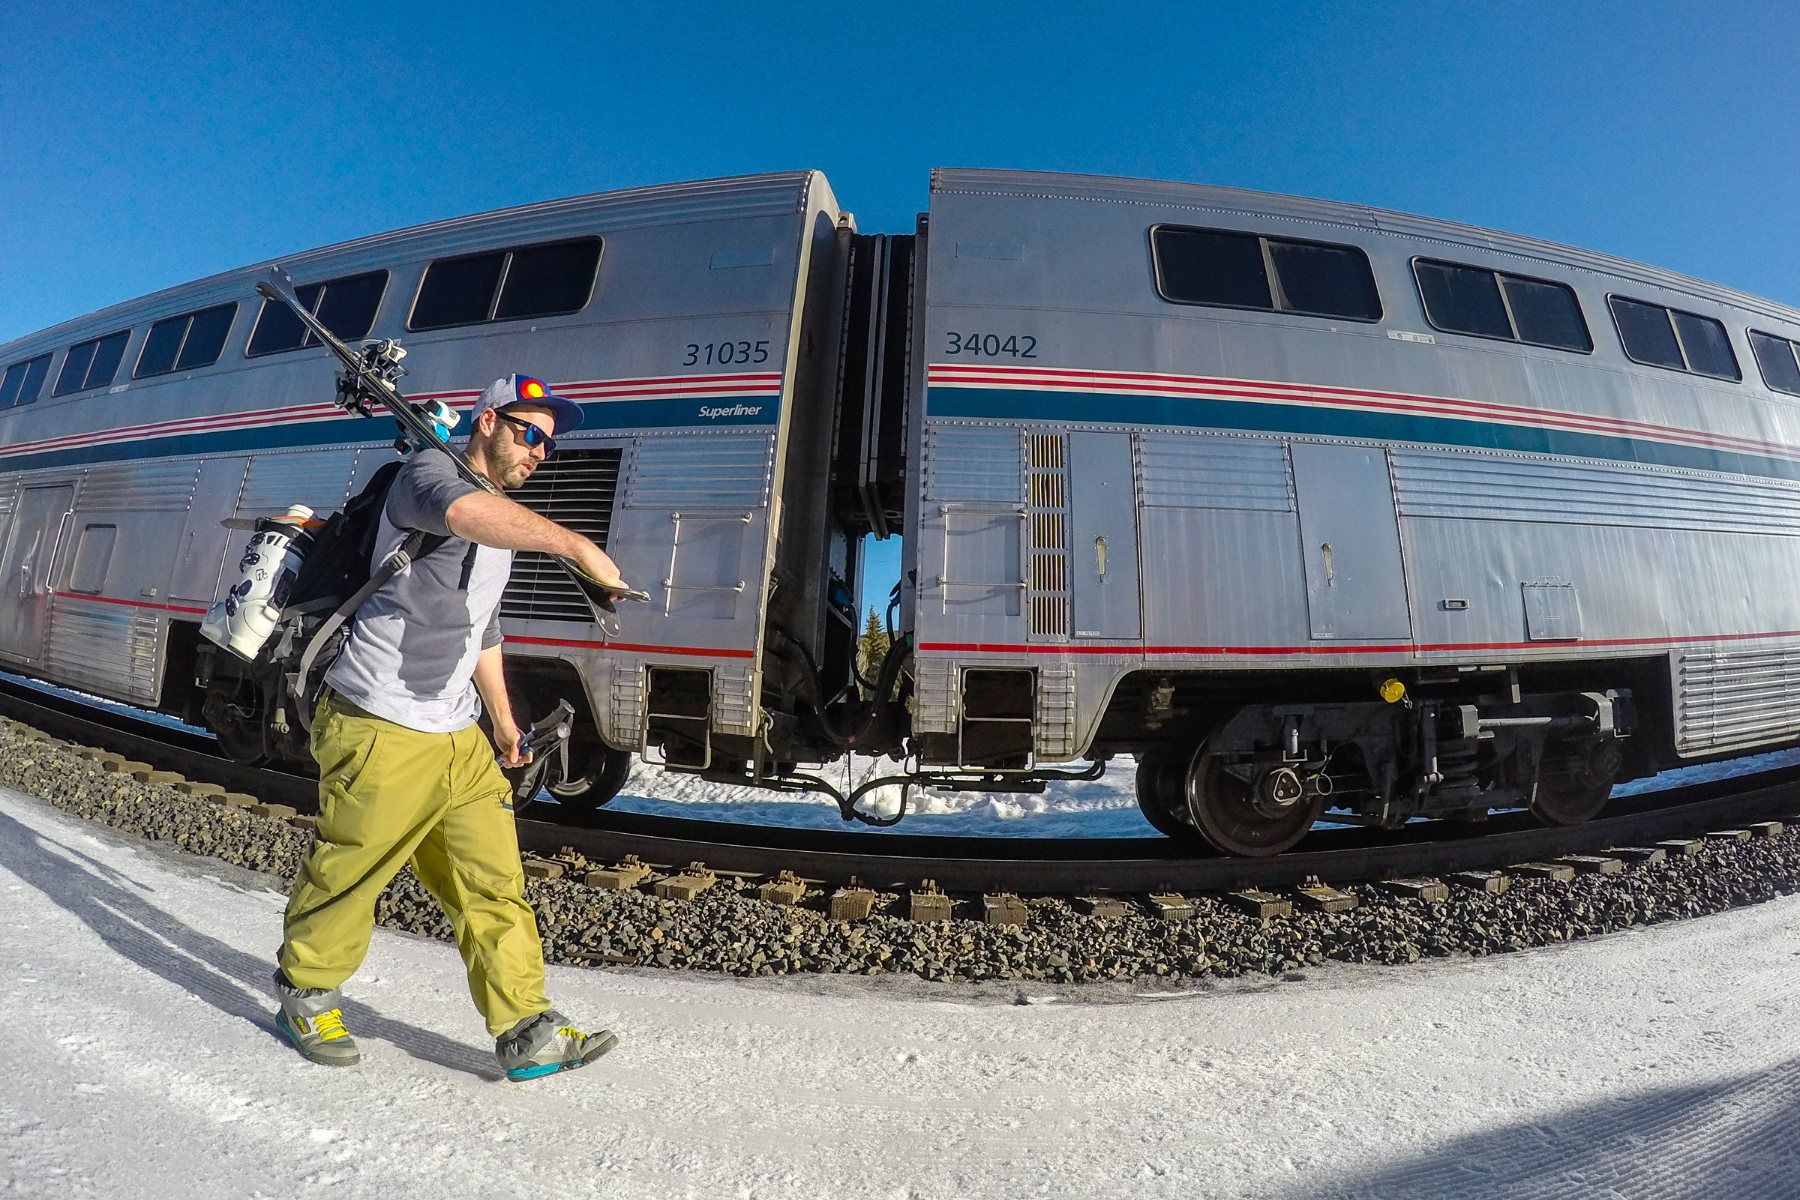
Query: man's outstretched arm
[{"x": 508, "y": 525}]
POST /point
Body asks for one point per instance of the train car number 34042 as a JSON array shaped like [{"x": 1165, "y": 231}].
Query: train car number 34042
[{"x": 993, "y": 345}]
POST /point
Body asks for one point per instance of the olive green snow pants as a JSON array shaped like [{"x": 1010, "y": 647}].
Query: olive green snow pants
[{"x": 387, "y": 795}]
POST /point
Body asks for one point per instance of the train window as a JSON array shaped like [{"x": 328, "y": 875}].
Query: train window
[
  {"x": 1329, "y": 281},
  {"x": 457, "y": 291},
  {"x": 93, "y": 554},
  {"x": 1706, "y": 344},
  {"x": 1198, "y": 266},
  {"x": 1546, "y": 314},
  {"x": 1241, "y": 270},
  {"x": 1462, "y": 300},
  {"x": 345, "y": 306},
  {"x": 543, "y": 280},
  {"x": 206, "y": 337},
  {"x": 1779, "y": 360},
  {"x": 1646, "y": 333},
  {"x": 1668, "y": 337},
  {"x": 161, "y": 345},
  {"x": 91, "y": 364},
  {"x": 504, "y": 285},
  {"x": 183, "y": 343},
  {"x": 1493, "y": 304},
  {"x": 22, "y": 381}
]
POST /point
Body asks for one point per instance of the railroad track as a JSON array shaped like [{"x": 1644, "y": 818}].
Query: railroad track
[{"x": 892, "y": 861}]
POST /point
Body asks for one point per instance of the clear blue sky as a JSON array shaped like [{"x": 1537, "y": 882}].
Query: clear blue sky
[{"x": 145, "y": 145}]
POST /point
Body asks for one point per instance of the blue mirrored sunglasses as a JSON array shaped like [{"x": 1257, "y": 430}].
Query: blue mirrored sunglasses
[{"x": 532, "y": 436}]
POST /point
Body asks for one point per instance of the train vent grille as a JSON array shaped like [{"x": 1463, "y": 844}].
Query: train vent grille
[
  {"x": 1047, "y": 517},
  {"x": 574, "y": 489}
]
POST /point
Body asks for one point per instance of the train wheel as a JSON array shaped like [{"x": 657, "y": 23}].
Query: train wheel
[
  {"x": 1161, "y": 799},
  {"x": 1573, "y": 788},
  {"x": 603, "y": 774},
  {"x": 1239, "y": 818}
]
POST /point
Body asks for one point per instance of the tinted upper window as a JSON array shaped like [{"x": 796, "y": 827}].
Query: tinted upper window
[
  {"x": 345, "y": 306},
  {"x": 91, "y": 364},
  {"x": 1668, "y": 337},
  {"x": 504, "y": 285},
  {"x": 1493, "y": 304},
  {"x": 22, "y": 381},
  {"x": 1330, "y": 281},
  {"x": 182, "y": 343},
  {"x": 1233, "y": 270},
  {"x": 1462, "y": 300},
  {"x": 1779, "y": 360},
  {"x": 1706, "y": 344}
]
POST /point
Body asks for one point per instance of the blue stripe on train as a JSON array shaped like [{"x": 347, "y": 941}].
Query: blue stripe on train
[
  {"x": 612, "y": 415},
  {"x": 1247, "y": 416}
]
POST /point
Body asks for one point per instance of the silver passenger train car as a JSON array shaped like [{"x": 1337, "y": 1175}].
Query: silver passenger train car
[{"x": 1303, "y": 504}]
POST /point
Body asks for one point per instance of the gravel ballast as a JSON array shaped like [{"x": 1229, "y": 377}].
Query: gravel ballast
[{"x": 728, "y": 929}]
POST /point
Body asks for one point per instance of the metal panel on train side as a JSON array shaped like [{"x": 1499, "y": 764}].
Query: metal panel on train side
[
  {"x": 200, "y": 555},
  {"x": 1103, "y": 542},
  {"x": 1350, "y": 538}
]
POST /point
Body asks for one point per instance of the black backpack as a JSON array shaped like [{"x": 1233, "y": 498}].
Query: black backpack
[{"x": 332, "y": 584}]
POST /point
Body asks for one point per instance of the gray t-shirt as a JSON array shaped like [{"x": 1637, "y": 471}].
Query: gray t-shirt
[{"x": 410, "y": 658}]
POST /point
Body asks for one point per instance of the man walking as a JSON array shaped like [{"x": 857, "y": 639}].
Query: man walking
[{"x": 405, "y": 775}]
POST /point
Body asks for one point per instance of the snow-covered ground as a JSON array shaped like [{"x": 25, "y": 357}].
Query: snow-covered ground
[{"x": 137, "y": 1059}]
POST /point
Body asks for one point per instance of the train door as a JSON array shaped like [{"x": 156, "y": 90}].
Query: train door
[
  {"x": 25, "y": 567},
  {"x": 1350, "y": 537},
  {"x": 1103, "y": 541}
]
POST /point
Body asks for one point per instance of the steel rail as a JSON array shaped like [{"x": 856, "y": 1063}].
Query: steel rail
[{"x": 968, "y": 864}]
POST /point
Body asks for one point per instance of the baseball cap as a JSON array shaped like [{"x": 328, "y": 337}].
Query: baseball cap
[{"x": 523, "y": 389}]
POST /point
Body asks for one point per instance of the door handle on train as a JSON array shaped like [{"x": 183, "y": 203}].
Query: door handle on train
[
  {"x": 1100, "y": 555},
  {"x": 1325, "y": 553}
]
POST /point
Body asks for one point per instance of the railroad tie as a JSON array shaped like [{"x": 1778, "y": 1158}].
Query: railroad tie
[
  {"x": 1324, "y": 897},
  {"x": 1494, "y": 882},
  {"x": 1767, "y": 829},
  {"x": 687, "y": 885},
  {"x": 1593, "y": 864},
  {"x": 1170, "y": 906},
  {"x": 929, "y": 903},
  {"x": 1728, "y": 836},
  {"x": 1683, "y": 847},
  {"x": 1558, "y": 872},
  {"x": 1259, "y": 903},
  {"x": 1417, "y": 888},
  {"x": 1004, "y": 908},
  {"x": 1641, "y": 855},
  {"x": 1100, "y": 906},
  {"x": 853, "y": 903},
  {"x": 620, "y": 877},
  {"x": 786, "y": 890},
  {"x": 539, "y": 868},
  {"x": 279, "y": 811}
]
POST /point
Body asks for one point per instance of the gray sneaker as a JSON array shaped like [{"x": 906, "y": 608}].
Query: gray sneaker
[
  {"x": 313, "y": 1022},
  {"x": 546, "y": 1044}
]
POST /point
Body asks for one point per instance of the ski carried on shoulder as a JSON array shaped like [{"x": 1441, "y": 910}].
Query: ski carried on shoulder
[{"x": 367, "y": 384}]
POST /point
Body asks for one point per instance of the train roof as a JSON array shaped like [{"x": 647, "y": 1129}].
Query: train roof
[
  {"x": 1245, "y": 203},
  {"x": 772, "y": 194}
]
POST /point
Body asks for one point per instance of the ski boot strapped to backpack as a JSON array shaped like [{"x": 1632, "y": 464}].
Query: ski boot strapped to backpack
[{"x": 300, "y": 581}]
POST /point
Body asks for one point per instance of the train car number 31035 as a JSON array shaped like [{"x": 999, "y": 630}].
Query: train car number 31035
[
  {"x": 724, "y": 353},
  {"x": 994, "y": 345}
]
